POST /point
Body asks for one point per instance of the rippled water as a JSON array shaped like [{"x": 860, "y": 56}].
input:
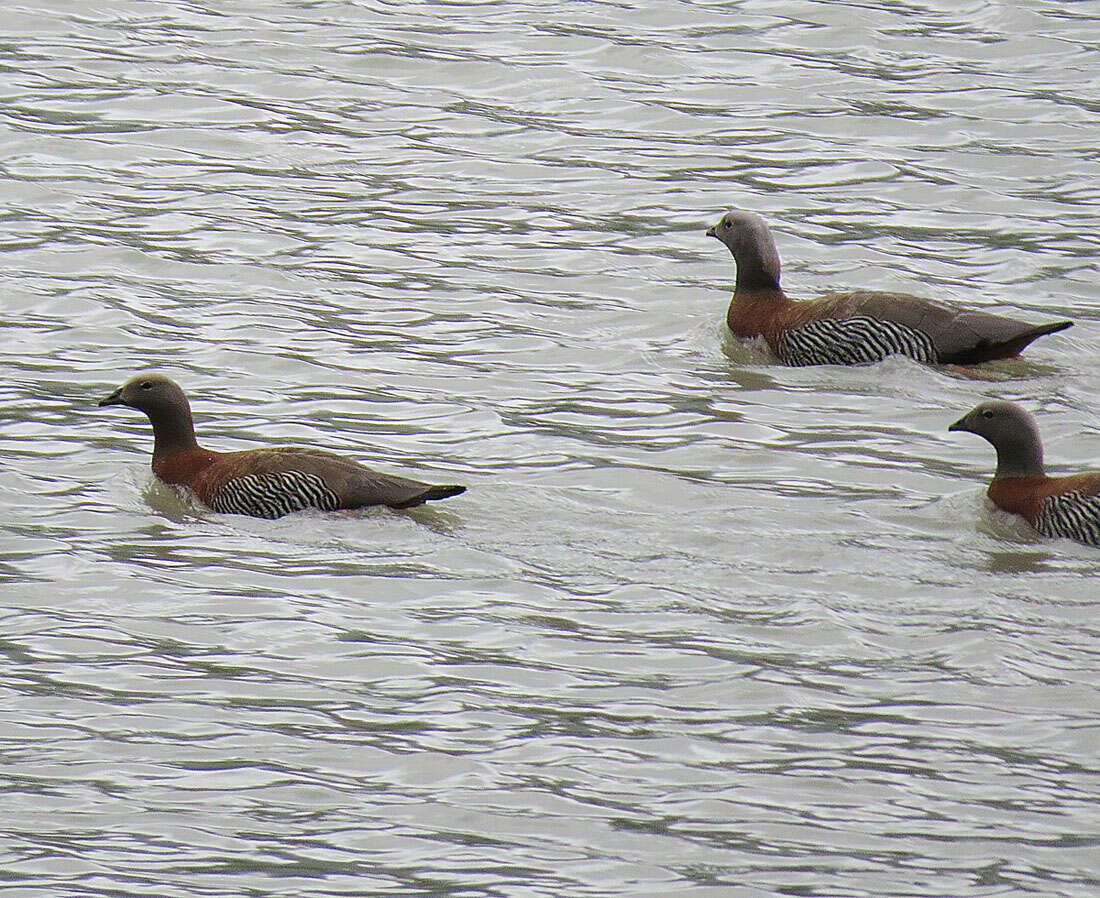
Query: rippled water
[{"x": 701, "y": 625}]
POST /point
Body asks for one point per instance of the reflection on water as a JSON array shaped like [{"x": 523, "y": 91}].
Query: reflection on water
[{"x": 701, "y": 623}]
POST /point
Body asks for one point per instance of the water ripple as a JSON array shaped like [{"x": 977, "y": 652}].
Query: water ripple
[{"x": 701, "y": 624}]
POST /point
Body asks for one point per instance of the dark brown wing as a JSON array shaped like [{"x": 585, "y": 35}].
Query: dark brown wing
[
  {"x": 961, "y": 336},
  {"x": 351, "y": 484}
]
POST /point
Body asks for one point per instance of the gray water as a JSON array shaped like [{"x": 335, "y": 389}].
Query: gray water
[{"x": 702, "y": 625}]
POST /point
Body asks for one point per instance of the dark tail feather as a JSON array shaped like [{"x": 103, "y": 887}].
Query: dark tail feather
[
  {"x": 988, "y": 351},
  {"x": 1043, "y": 329},
  {"x": 432, "y": 492}
]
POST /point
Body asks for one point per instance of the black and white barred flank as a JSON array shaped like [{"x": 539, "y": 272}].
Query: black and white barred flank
[
  {"x": 854, "y": 341},
  {"x": 274, "y": 494},
  {"x": 1072, "y": 515}
]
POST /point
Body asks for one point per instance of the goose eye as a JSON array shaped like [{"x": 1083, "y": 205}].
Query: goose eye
[
  {"x": 147, "y": 385},
  {"x": 987, "y": 414}
]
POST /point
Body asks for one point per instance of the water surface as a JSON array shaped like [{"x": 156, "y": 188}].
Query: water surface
[{"x": 702, "y": 625}]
